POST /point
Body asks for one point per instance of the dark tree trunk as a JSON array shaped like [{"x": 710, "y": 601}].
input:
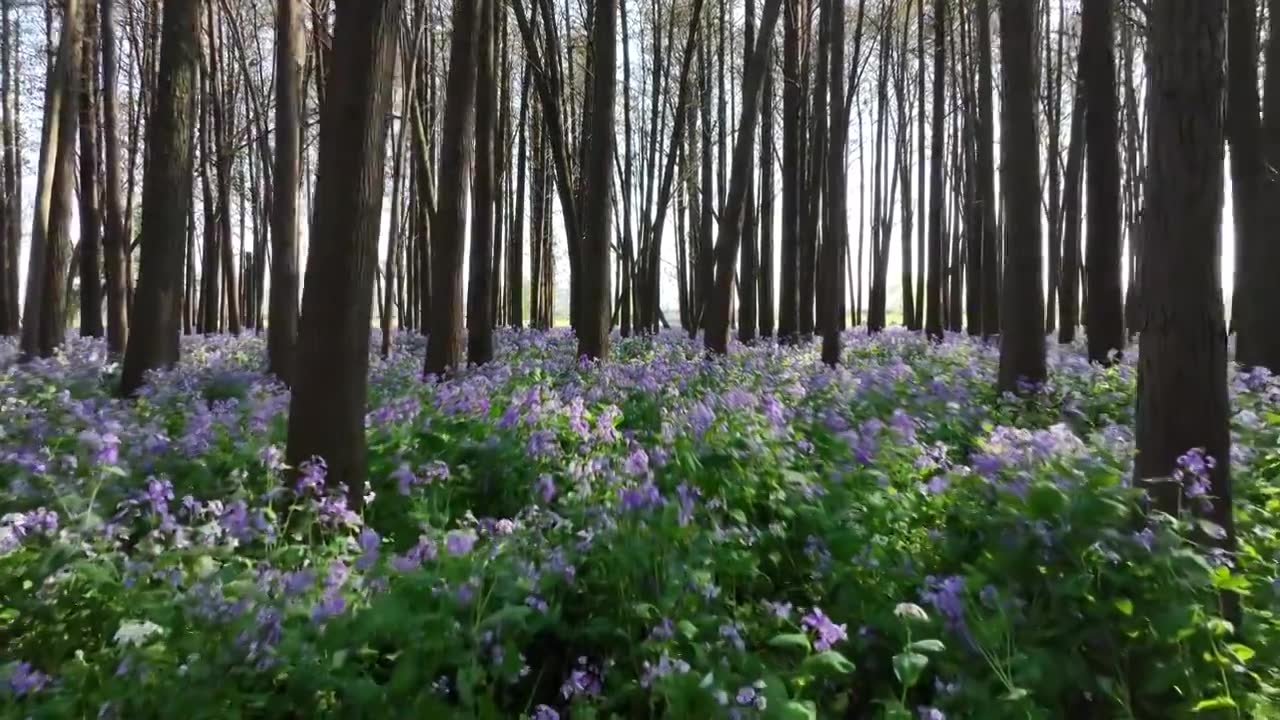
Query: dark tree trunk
[
  {"x": 937, "y": 206},
  {"x": 1069, "y": 277},
  {"x": 166, "y": 199},
  {"x": 1255, "y": 190},
  {"x": 282, "y": 312},
  {"x": 327, "y": 407},
  {"x": 1022, "y": 351},
  {"x": 114, "y": 242},
  {"x": 1182, "y": 360},
  {"x": 479, "y": 308},
  {"x": 1102, "y": 145},
  {"x": 835, "y": 232},
  {"x": 716, "y": 337},
  {"x": 788, "y": 288},
  {"x": 597, "y": 220},
  {"x": 767, "y": 205},
  {"x": 448, "y": 224},
  {"x": 515, "y": 251},
  {"x": 748, "y": 263},
  {"x": 991, "y": 258},
  {"x": 90, "y": 213}
]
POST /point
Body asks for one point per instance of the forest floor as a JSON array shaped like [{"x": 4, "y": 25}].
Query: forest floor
[{"x": 660, "y": 536}]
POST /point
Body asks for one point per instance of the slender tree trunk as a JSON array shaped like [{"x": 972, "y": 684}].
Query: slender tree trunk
[
  {"x": 1022, "y": 350},
  {"x": 515, "y": 252},
  {"x": 1182, "y": 360},
  {"x": 992, "y": 261},
  {"x": 596, "y": 295},
  {"x": 444, "y": 344},
  {"x": 114, "y": 242},
  {"x": 327, "y": 406},
  {"x": 90, "y": 215},
  {"x": 1106, "y": 298},
  {"x": 835, "y": 233},
  {"x": 1070, "y": 274},
  {"x": 748, "y": 298},
  {"x": 166, "y": 199},
  {"x": 767, "y": 204},
  {"x": 788, "y": 295},
  {"x": 933, "y": 296},
  {"x": 479, "y": 309},
  {"x": 716, "y": 337}
]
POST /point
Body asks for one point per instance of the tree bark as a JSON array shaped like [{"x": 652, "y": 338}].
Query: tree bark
[
  {"x": 789, "y": 271},
  {"x": 166, "y": 199},
  {"x": 114, "y": 242},
  {"x": 444, "y": 343},
  {"x": 991, "y": 259},
  {"x": 1102, "y": 145},
  {"x": 479, "y": 289},
  {"x": 835, "y": 232},
  {"x": 1069, "y": 276},
  {"x": 90, "y": 214},
  {"x": 933, "y": 298},
  {"x": 596, "y": 295},
  {"x": 1022, "y": 347},
  {"x": 327, "y": 406},
  {"x": 1182, "y": 359}
]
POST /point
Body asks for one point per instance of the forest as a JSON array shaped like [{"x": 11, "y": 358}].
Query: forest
[{"x": 779, "y": 359}]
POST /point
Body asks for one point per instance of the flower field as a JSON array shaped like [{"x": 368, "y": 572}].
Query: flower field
[{"x": 661, "y": 536}]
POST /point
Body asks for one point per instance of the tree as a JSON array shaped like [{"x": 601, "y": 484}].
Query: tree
[
  {"x": 166, "y": 199},
  {"x": 789, "y": 269},
  {"x": 90, "y": 212},
  {"x": 327, "y": 407},
  {"x": 1255, "y": 187},
  {"x": 835, "y": 230},
  {"x": 991, "y": 260},
  {"x": 593, "y": 326},
  {"x": 1022, "y": 351},
  {"x": 448, "y": 222},
  {"x": 716, "y": 337},
  {"x": 933, "y": 299},
  {"x": 479, "y": 295},
  {"x": 282, "y": 322},
  {"x": 1182, "y": 359},
  {"x": 114, "y": 241},
  {"x": 1105, "y": 321}
]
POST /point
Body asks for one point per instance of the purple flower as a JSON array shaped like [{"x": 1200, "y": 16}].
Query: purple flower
[
  {"x": 731, "y": 633},
  {"x": 826, "y": 632},
  {"x": 1146, "y": 539},
  {"x": 546, "y": 487},
  {"x": 544, "y": 712},
  {"x": 926, "y": 712},
  {"x": 369, "y": 542},
  {"x": 781, "y": 610},
  {"x": 543, "y": 444},
  {"x": 639, "y": 497},
  {"x": 331, "y": 605},
  {"x": 26, "y": 680},
  {"x": 460, "y": 542},
  {"x": 297, "y": 583},
  {"x": 404, "y": 477},
  {"x": 583, "y": 680},
  {"x": 666, "y": 666},
  {"x": 687, "y": 497},
  {"x": 637, "y": 464}
]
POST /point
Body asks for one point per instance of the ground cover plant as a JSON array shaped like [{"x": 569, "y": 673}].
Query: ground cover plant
[{"x": 666, "y": 535}]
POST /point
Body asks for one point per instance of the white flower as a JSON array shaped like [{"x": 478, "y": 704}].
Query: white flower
[
  {"x": 911, "y": 611},
  {"x": 136, "y": 633}
]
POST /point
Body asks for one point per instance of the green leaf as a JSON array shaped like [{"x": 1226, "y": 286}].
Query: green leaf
[
  {"x": 829, "y": 662},
  {"x": 511, "y": 614},
  {"x": 1125, "y": 606},
  {"x": 798, "y": 641},
  {"x": 927, "y": 646},
  {"x": 1243, "y": 653},
  {"x": 796, "y": 710},
  {"x": 1046, "y": 500},
  {"x": 1222, "y": 702},
  {"x": 908, "y": 666},
  {"x": 688, "y": 629}
]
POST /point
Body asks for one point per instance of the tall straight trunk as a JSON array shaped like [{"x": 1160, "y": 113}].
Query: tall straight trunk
[
  {"x": 706, "y": 256},
  {"x": 56, "y": 148},
  {"x": 1053, "y": 122},
  {"x": 789, "y": 270},
  {"x": 114, "y": 242},
  {"x": 537, "y": 219},
  {"x": 767, "y": 205},
  {"x": 282, "y": 313},
  {"x": 933, "y": 295},
  {"x": 327, "y": 406},
  {"x": 1182, "y": 360},
  {"x": 991, "y": 257},
  {"x": 90, "y": 214},
  {"x": 211, "y": 258},
  {"x": 479, "y": 309},
  {"x": 166, "y": 199},
  {"x": 515, "y": 250},
  {"x": 444, "y": 343},
  {"x": 903, "y": 162},
  {"x": 1070, "y": 274},
  {"x": 223, "y": 163},
  {"x": 878, "y": 298},
  {"x": 816, "y": 152},
  {"x": 716, "y": 337},
  {"x": 1255, "y": 147},
  {"x": 8, "y": 275},
  {"x": 1106, "y": 298},
  {"x": 10, "y": 322},
  {"x": 597, "y": 221},
  {"x": 834, "y": 235},
  {"x": 1022, "y": 347},
  {"x": 748, "y": 261},
  {"x": 921, "y": 122},
  {"x": 392, "y": 281}
]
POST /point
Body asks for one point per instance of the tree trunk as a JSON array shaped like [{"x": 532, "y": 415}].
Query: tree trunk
[
  {"x": 991, "y": 259},
  {"x": 90, "y": 215},
  {"x": 282, "y": 312},
  {"x": 933, "y": 297},
  {"x": 166, "y": 199},
  {"x": 114, "y": 241},
  {"x": 767, "y": 205},
  {"x": 1255, "y": 149},
  {"x": 716, "y": 337},
  {"x": 835, "y": 232},
  {"x": 1182, "y": 360},
  {"x": 1022, "y": 351},
  {"x": 596, "y": 294},
  {"x": 788, "y": 288},
  {"x": 1102, "y": 146},
  {"x": 748, "y": 279},
  {"x": 479, "y": 290},
  {"x": 1069, "y": 277},
  {"x": 515, "y": 251},
  {"x": 444, "y": 343},
  {"x": 327, "y": 406}
]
